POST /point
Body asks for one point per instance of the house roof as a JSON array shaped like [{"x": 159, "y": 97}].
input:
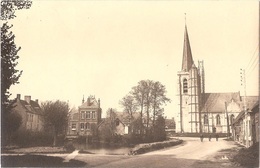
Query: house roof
[
  {"x": 253, "y": 108},
  {"x": 170, "y": 123},
  {"x": 32, "y": 107},
  {"x": 90, "y": 103},
  {"x": 124, "y": 116}
]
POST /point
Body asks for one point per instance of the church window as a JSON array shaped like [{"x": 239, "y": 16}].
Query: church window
[
  {"x": 206, "y": 121},
  {"x": 218, "y": 120},
  {"x": 185, "y": 86}
]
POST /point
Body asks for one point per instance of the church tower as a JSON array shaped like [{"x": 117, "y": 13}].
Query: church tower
[{"x": 189, "y": 92}]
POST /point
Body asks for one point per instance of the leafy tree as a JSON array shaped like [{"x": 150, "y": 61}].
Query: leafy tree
[
  {"x": 148, "y": 95},
  {"x": 8, "y": 7},
  {"x": 159, "y": 133},
  {"x": 55, "y": 117},
  {"x": 107, "y": 129},
  {"x": 9, "y": 74},
  {"x": 158, "y": 99}
]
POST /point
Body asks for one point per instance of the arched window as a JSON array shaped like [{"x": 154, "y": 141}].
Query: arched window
[
  {"x": 185, "y": 86},
  {"x": 218, "y": 120},
  {"x": 206, "y": 121},
  {"x": 232, "y": 118}
]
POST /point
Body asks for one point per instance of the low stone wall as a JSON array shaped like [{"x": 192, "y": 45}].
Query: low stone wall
[{"x": 148, "y": 147}]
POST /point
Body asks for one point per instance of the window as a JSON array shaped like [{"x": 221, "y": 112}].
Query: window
[
  {"x": 82, "y": 114},
  {"x": 185, "y": 86},
  {"x": 73, "y": 126},
  {"x": 82, "y": 126},
  {"x": 206, "y": 121},
  {"x": 87, "y": 126},
  {"x": 93, "y": 114},
  {"x": 218, "y": 120},
  {"x": 88, "y": 114}
]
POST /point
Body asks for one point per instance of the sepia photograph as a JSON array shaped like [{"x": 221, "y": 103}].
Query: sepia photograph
[{"x": 134, "y": 84}]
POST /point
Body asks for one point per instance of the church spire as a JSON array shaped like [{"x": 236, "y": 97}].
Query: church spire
[{"x": 187, "y": 59}]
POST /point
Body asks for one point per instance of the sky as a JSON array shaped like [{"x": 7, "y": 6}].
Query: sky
[{"x": 104, "y": 48}]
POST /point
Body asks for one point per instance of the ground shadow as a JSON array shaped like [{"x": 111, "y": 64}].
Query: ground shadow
[{"x": 38, "y": 161}]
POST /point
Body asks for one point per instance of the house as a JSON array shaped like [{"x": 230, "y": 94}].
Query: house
[
  {"x": 245, "y": 128},
  {"x": 122, "y": 122},
  {"x": 170, "y": 126},
  {"x": 31, "y": 113},
  {"x": 84, "y": 121}
]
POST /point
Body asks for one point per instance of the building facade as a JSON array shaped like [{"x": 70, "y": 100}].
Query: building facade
[
  {"x": 199, "y": 111},
  {"x": 84, "y": 122},
  {"x": 30, "y": 112}
]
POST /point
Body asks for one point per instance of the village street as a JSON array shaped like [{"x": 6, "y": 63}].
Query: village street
[{"x": 192, "y": 153}]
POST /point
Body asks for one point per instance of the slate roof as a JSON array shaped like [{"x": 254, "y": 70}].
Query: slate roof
[
  {"x": 33, "y": 107},
  {"x": 124, "y": 116},
  {"x": 215, "y": 102},
  {"x": 92, "y": 103},
  {"x": 187, "y": 60}
]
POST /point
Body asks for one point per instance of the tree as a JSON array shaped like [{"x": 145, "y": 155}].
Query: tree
[
  {"x": 129, "y": 104},
  {"x": 158, "y": 99},
  {"x": 148, "y": 95},
  {"x": 55, "y": 117},
  {"x": 159, "y": 133},
  {"x": 8, "y": 7},
  {"x": 9, "y": 74},
  {"x": 108, "y": 127}
]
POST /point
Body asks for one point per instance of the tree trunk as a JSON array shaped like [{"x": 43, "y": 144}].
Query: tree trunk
[{"x": 55, "y": 138}]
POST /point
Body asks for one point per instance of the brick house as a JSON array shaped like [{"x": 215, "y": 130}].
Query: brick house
[
  {"x": 31, "y": 113},
  {"x": 84, "y": 122}
]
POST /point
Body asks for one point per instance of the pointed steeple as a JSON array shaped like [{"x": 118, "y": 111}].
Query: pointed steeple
[{"x": 187, "y": 60}]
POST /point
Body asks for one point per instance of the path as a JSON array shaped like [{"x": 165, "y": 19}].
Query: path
[{"x": 192, "y": 153}]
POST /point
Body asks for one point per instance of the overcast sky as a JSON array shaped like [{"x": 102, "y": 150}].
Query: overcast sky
[{"x": 103, "y": 48}]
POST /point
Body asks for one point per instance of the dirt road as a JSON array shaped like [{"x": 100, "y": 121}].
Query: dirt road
[{"x": 192, "y": 153}]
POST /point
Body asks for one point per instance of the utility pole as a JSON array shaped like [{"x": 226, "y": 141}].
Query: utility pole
[
  {"x": 243, "y": 83},
  {"x": 228, "y": 129}
]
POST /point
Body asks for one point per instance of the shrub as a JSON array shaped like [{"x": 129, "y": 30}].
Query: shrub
[
  {"x": 30, "y": 139},
  {"x": 69, "y": 147},
  {"x": 248, "y": 157}
]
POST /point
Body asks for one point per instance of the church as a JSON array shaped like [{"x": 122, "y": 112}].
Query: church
[{"x": 201, "y": 112}]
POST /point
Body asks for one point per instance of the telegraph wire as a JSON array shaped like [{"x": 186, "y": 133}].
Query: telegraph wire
[{"x": 252, "y": 58}]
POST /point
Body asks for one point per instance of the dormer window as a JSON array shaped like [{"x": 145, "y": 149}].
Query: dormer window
[{"x": 185, "y": 86}]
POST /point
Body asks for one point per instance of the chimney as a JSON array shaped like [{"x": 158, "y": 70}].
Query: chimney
[
  {"x": 18, "y": 97},
  {"x": 37, "y": 101},
  {"x": 83, "y": 100},
  {"x": 98, "y": 103},
  {"x": 27, "y": 99},
  {"x": 88, "y": 101}
]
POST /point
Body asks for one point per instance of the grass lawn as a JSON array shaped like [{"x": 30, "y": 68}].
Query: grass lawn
[{"x": 38, "y": 161}]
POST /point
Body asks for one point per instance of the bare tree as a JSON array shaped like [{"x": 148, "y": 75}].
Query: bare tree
[{"x": 129, "y": 104}]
